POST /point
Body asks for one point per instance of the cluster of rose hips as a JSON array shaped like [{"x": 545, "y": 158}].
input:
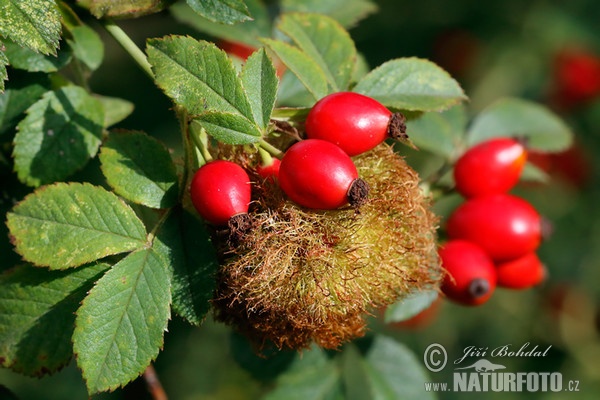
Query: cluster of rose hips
[
  {"x": 493, "y": 235},
  {"x": 316, "y": 172}
]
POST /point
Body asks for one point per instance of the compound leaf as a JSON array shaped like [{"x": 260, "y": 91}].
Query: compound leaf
[
  {"x": 543, "y": 130},
  {"x": 391, "y": 370},
  {"x": 29, "y": 60},
  {"x": 411, "y": 84},
  {"x": 37, "y": 315},
  {"x": 441, "y": 133},
  {"x": 87, "y": 46},
  {"x": 305, "y": 68},
  {"x": 184, "y": 241},
  {"x": 410, "y": 306},
  {"x": 229, "y": 128},
  {"x": 223, "y": 11},
  {"x": 124, "y": 316},
  {"x": 67, "y": 225},
  {"x": 260, "y": 82},
  {"x": 346, "y": 12},
  {"x": 3, "y": 73},
  {"x": 115, "y": 109},
  {"x": 124, "y": 8},
  {"x": 32, "y": 23},
  {"x": 24, "y": 90},
  {"x": 312, "y": 376},
  {"x": 248, "y": 32},
  {"x": 324, "y": 41},
  {"x": 197, "y": 75},
  {"x": 59, "y": 135},
  {"x": 140, "y": 169}
]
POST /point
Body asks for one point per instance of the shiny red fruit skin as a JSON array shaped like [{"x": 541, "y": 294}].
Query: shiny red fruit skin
[
  {"x": 505, "y": 226},
  {"x": 490, "y": 167},
  {"x": 219, "y": 190},
  {"x": 464, "y": 263},
  {"x": 354, "y": 122},
  {"x": 521, "y": 273},
  {"x": 317, "y": 174},
  {"x": 269, "y": 171}
]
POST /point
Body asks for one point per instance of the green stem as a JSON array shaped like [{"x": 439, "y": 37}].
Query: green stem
[
  {"x": 270, "y": 148},
  {"x": 130, "y": 47},
  {"x": 200, "y": 139},
  {"x": 265, "y": 157},
  {"x": 188, "y": 155}
]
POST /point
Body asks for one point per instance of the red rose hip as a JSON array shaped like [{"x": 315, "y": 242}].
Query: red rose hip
[
  {"x": 318, "y": 174},
  {"x": 471, "y": 276},
  {"x": 505, "y": 226},
  {"x": 490, "y": 167},
  {"x": 269, "y": 171},
  {"x": 521, "y": 273},
  {"x": 220, "y": 190},
  {"x": 354, "y": 122}
]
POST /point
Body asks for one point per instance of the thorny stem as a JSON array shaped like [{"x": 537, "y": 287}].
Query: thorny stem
[
  {"x": 130, "y": 47},
  {"x": 153, "y": 383}
]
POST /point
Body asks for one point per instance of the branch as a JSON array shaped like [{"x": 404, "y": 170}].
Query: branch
[{"x": 153, "y": 383}]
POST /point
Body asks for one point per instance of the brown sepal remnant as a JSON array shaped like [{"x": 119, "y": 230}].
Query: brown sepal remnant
[
  {"x": 397, "y": 126},
  {"x": 300, "y": 275},
  {"x": 358, "y": 194},
  {"x": 397, "y": 129}
]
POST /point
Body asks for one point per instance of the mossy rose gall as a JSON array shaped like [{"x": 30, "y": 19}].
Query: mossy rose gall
[{"x": 304, "y": 275}]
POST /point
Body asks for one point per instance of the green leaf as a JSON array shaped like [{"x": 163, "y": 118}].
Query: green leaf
[
  {"x": 411, "y": 84},
  {"x": 223, "y": 11},
  {"x": 32, "y": 61},
  {"x": 312, "y": 376},
  {"x": 197, "y": 75},
  {"x": 67, "y": 225},
  {"x": 87, "y": 46},
  {"x": 3, "y": 73},
  {"x": 346, "y": 12},
  {"x": 140, "y": 169},
  {"x": 24, "y": 90},
  {"x": 293, "y": 93},
  {"x": 440, "y": 133},
  {"x": 120, "y": 325},
  {"x": 533, "y": 173},
  {"x": 306, "y": 69},
  {"x": 115, "y": 109},
  {"x": 247, "y": 33},
  {"x": 32, "y": 23},
  {"x": 289, "y": 113},
  {"x": 229, "y": 128},
  {"x": 393, "y": 371},
  {"x": 184, "y": 242},
  {"x": 61, "y": 132},
  {"x": 260, "y": 82},
  {"x": 325, "y": 42},
  {"x": 124, "y": 8},
  {"x": 37, "y": 315},
  {"x": 543, "y": 129},
  {"x": 410, "y": 306}
]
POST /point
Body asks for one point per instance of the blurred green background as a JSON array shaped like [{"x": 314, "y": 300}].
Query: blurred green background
[{"x": 494, "y": 48}]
